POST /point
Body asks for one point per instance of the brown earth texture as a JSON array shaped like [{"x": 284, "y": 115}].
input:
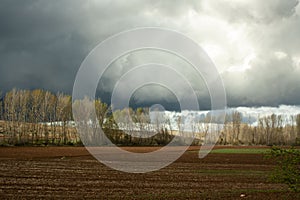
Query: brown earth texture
[{"x": 72, "y": 173}]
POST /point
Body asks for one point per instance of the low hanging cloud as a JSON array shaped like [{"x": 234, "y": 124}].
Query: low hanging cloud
[{"x": 254, "y": 44}]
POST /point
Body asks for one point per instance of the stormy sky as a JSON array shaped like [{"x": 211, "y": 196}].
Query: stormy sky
[{"x": 254, "y": 44}]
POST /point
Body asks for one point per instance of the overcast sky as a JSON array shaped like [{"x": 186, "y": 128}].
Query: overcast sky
[{"x": 254, "y": 44}]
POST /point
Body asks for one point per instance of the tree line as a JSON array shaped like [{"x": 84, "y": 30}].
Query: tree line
[
  {"x": 270, "y": 130},
  {"x": 39, "y": 117},
  {"x": 24, "y": 114}
]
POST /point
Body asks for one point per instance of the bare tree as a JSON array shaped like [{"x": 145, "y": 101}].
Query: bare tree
[
  {"x": 102, "y": 110},
  {"x": 63, "y": 111},
  {"x": 1, "y": 106},
  {"x": 298, "y": 129},
  {"x": 203, "y": 127},
  {"x": 236, "y": 124},
  {"x": 9, "y": 116},
  {"x": 46, "y": 114}
]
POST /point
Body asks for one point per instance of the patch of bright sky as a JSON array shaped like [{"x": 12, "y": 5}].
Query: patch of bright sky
[
  {"x": 297, "y": 9},
  {"x": 226, "y": 44},
  {"x": 296, "y": 60},
  {"x": 244, "y": 66},
  {"x": 280, "y": 55}
]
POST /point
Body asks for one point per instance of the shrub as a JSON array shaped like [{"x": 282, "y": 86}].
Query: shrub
[{"x": 287, "y": 168}]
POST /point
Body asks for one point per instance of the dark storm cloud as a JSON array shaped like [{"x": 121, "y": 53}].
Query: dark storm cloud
[
  {"x": 42, "y": 43},
  {"x": 39, "y": 47}
]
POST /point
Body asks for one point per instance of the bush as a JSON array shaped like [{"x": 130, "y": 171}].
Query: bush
[
  {"x": 287, "y": 168},
  {"x": 297, "y": 141}
]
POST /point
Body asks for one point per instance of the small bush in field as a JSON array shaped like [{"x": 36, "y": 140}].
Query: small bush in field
[{"x": 287, "y": 168}]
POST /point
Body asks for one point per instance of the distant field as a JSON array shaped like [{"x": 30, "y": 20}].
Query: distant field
[
  {"x": 221, "y": 149},
  {"x": 72, "y": 173},
  {"x": 241, "y": 151}
]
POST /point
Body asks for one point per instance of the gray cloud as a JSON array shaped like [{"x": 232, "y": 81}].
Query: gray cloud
[
  {"x": 254, "y": 11},
  {"x": 271, "y": 81},
  {"x": 42, "y": 43}
]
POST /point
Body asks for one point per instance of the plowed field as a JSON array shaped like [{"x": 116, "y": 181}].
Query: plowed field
[{"x": 72, "y": 173}]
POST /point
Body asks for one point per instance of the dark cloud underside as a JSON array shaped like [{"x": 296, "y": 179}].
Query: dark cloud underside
[{"x": 255, "y": 44}]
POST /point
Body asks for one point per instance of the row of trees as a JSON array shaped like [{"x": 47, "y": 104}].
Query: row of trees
[
  {"x": 270, "y": 130},
  {"x": 34, "y": 117},
  {"x": 41, "y": 117}
]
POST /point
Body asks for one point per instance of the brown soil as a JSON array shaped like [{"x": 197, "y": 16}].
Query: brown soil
[{"x": 72, "y": 173}]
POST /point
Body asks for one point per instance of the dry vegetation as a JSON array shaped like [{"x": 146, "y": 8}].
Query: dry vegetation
[{"x": 26, "y": 112}]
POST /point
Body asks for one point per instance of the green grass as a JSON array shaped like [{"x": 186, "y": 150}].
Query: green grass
[
  {"x": 230, "y": 172},
  {"x": 241, "y": 151}
]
